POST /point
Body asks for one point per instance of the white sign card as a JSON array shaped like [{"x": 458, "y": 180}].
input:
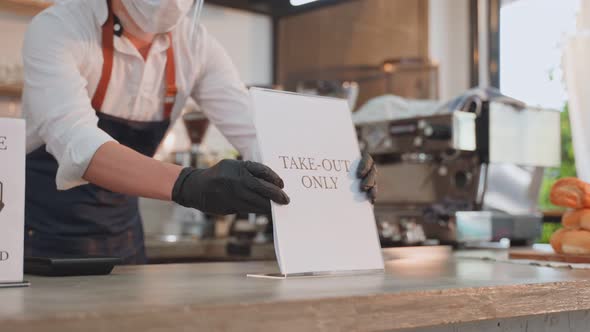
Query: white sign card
[
  {"x": 12, "y": 199},
  {"x": 310, "y": 141}
]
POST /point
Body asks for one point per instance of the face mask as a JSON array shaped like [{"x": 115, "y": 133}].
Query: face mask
[{"x": 157, "y": 16}]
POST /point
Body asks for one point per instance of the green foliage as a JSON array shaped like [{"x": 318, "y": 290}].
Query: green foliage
[
  {"x": 568, "y": 165},
  {"x": 548, "y": 229}
]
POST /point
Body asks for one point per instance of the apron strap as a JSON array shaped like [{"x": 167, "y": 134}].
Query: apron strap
[
  {"x": 108, "y": 53},
  {"x": 108, "y": 36},
  {"x": 171, "y": 90}
]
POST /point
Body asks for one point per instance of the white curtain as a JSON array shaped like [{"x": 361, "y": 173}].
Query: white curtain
[{"x": 576, "y": 68}]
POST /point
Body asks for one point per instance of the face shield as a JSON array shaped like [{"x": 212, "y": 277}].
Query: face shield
[
  {"x": 196, "y": 17},
  {"x": 161, "y": 16}
]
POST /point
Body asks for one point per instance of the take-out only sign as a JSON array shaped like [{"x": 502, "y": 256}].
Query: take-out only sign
[
  {"x": 329, "y": 226},
  {"x": 309, "y": 180}
]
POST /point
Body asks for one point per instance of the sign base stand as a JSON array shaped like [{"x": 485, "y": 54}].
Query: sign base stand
[
  {"x": 23, "y": 283},
  {"x": 280, "y": 276}
]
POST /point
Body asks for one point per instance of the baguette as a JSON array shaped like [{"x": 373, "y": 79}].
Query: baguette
[{"x": 570, "y": 192}]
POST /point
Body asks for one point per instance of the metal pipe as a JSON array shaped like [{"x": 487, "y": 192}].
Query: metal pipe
[{"x": 483, "y": 32}]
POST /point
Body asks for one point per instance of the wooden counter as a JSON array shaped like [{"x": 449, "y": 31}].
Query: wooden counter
[{"x": 430, "y": 288}]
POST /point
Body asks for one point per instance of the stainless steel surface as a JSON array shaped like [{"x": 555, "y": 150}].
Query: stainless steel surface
[
  {"x": 14, "y": 284},
  {"x": 526, "y": 137},
  {"x": 425, "y": 183},
  {"x": 473, "y": 226},
  {"x": 420, "y": 135},
  {"x": 464, "y": 131}
]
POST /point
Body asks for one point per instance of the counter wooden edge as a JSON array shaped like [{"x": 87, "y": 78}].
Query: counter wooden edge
[{"x": 359, "y": 313}]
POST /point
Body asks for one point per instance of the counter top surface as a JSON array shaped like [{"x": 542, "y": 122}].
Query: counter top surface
[{"x": 420, "y": 287}]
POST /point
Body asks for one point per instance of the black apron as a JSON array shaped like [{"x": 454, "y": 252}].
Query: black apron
[{"x": 89, "y": 220}]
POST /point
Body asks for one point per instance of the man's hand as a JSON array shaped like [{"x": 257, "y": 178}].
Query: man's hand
[
  {"x": 368, "y": 175},
  {"x": 229, "y": 187}
]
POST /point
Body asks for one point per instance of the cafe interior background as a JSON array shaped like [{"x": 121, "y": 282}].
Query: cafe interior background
[{"x": 392, "y": 60}]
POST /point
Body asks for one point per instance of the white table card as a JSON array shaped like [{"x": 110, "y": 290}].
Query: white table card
[
  {"x": 12, "y": 200},
  {"x": 310, "y": 141}
]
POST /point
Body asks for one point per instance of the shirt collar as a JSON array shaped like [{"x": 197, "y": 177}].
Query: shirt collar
[{"x": 159, "y": 45}]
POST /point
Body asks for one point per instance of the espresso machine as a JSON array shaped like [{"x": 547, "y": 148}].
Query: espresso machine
[
  {"x": 454, "y": 176},
  {"x": 186, "y": 222}
]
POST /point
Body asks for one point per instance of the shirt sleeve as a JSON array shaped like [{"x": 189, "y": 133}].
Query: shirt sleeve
[
  {"x": 56, "y": 104},
  {"x": 224, "y": 98}
]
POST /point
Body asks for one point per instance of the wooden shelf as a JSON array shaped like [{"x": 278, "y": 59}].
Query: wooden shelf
[
  {"x": 24, "y": 7},
  {"x": 11, "y": 90}
]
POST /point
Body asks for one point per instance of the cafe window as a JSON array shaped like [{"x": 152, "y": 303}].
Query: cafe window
[{"x": 532, "y": 35}]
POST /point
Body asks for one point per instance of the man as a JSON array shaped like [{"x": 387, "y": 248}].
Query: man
[{"x": 103, "y": 81}]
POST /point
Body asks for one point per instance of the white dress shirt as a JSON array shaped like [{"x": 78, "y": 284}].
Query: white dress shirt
[{"x": 63, "y": 61}]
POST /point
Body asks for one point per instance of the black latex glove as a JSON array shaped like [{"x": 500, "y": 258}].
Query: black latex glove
[
  {"x": 231, "y": 186},
  {"x": 368, "y": 175}
]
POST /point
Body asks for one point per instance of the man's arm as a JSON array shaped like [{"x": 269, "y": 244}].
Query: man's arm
[
  {"x": 231, "y": 186},
  {"x": 121, "y": 169}
]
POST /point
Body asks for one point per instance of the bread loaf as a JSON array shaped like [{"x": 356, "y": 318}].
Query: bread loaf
[
  {"x": 575, "y": 242},
  {"x": 570, "y": 192},
  {"x": 556, "y": 240},
  {"x": 576, "y": 219}
]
